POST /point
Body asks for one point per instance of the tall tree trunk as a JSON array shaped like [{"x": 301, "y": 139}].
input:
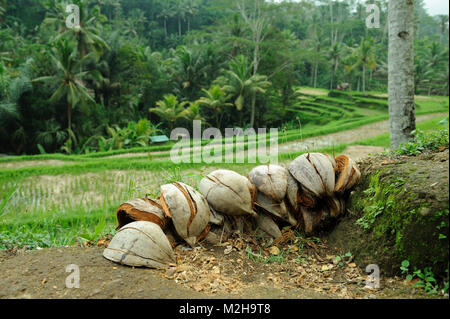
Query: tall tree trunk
[
  {"x": 401, "y": 71},
  {"x": 69, "y": 116},
  {"x": 165, "y": 28},
  {"x": 364, "y": 79},
  {"x": 316, "y": 67}
]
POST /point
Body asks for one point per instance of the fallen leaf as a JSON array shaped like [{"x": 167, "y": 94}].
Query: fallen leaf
[{"x": 274, "y": 250}]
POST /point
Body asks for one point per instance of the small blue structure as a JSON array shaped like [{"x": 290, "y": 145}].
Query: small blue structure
[{"x": 159, "y": 139}]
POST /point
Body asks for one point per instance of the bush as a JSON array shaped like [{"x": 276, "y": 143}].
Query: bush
[{"x": 424, "y": 141}]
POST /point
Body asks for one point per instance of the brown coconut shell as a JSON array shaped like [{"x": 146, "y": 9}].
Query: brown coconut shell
[
  {"x": 311, "y": 218},
  {"x": 188, "y": 210},
  {"x": 315, "y": 172},
  {"x": 335, "y": 205},
  {"x": 144, "y": 209},
  {"x": 268, "y": 225},
  {"x": 347, "y": 174},
  {"x": 228, "y": 193},
  {"x": 278, "y": 209},
  {"x": 270, "y": 180}
]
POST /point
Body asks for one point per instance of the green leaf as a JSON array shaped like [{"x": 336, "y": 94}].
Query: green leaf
[{"x": 405, "y": 263}]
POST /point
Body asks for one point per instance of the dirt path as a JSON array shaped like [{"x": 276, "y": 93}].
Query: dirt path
[{"x": 204, "y": 273}]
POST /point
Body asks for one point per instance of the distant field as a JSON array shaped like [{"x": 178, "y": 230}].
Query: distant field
[{"x": 54, "y": 199}]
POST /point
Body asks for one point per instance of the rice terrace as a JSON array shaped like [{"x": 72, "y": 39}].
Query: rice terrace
[{"x": 332, "y": 185}]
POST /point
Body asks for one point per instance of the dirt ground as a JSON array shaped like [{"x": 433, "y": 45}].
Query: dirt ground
[{"x": 224, "y": 271}]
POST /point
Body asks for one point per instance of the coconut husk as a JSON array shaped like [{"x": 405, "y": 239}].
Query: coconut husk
[
  {"x": 279, "y": 210},
  {"x": 348, "y": 174},
  {"x": 229, "y": 193},
  {"x": 315, "y": 172},
  {"x": 268, "y": 225},
  {"x": 188, "y": 210},
  {"x": 311, "y": 218},
  {"x": 305, "y": 198},
  {"x": 292, "y": 190},
  {"x": 145, "y": 209},
  {"x": 336, "y": 205},
  {"x": 140, "y": 243},
  {"x": 215, "y": 218},
  {"x": 270, "y": 180}
]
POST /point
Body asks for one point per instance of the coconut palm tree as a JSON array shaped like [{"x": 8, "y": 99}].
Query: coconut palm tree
[
  {"x": 365, "y": 59},
  {"x": 86, "y": 35},
  {"x": 71, "y": 86},
  {"x": 192, "y": 112},
  {"x": 170, "y": 109},
  {"x": 165, "y": 13},
  {"x": 334, "y": 55},
  {"x": 216, "y": 99},
  {"x": 239, "y": 82},
  {"x": 191, "y": 9}
]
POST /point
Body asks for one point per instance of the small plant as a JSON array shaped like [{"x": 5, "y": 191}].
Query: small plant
[
  {"x": 424, "y": 141},
  {"x": 404, "y": 268},
  {"x": 341, "y": 259}
]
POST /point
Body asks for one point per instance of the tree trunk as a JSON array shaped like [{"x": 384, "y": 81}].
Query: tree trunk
[
  {"x": 165, "y": 28},
  {"x": 69, "y": 116},
  {"x": 316, "y": 67},
  {"x": 401, "y": 71},
  {"x": 364, "y": 79},
  {"x": 252, "y": 118},
  {"x": 179, "y": 26}
]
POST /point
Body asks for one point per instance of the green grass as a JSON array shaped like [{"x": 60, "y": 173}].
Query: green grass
[{"x": 383, "y": 140}]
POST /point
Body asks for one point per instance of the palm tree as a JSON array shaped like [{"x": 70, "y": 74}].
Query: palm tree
[
  {"x": 191, "y": 9},
  {"x": 334, "y": 55},
  {"x": 192, "y": 112},
  {"x": 71, "y": 81},
  {"x": 179, "y": 10},
  {"x": 365, "y": 58},
  {"x": 87, "y": 34},
  {"x": 189, "y": 71},
  {"x": 216, "y": 98},
  {"x": 239, "y": 82},
  {"x": 169, "y": 109},
  {"x": 165, "y": 13}
]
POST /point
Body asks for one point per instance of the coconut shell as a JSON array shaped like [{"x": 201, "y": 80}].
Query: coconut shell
[
  {"x": 311, "y": 218},
  {"x": 228, "y": 193},
  {"x": 188, "y": 209},
  {"x": 141, "y": 209},
  {"x": 348, "y": 174},
  {"x": 279, "y": 210},
  {"x": 292, "y": 191},
  {"x": 335, "y": 205},
  {"x": 267, "y": 224},
  {"x": 315, "y": 172},
  {"x": 270, "y": 180},
  {"x": 305, "y": 198},
  {"x": 215, "y": 218},
  {"x": 140, "y": 243}
]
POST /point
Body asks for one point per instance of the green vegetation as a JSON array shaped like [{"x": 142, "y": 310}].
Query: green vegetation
[
  {"x": 424, "y": 279},
  {"x": 139, "y": 68}
]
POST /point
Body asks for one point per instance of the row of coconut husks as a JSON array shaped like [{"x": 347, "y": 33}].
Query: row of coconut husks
[{"x": 309, "y": 193}]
